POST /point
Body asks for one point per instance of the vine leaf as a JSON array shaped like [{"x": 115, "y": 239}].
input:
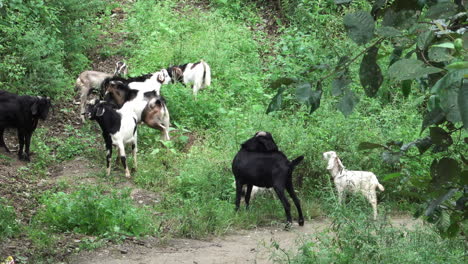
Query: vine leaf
[
  {"x": 440, "y": 137},
  {"x": 406, "y": 87},
  {"x": 463, "y": 103},
  {"x": 277, "y": 101},
  {"x": 340, "y": 83},
  {"x": 347, "y": 103},
  {"x": 435, "y": 116},
  {"x": 360, "y": 26},
  {"x": 370, "y": 74},
  {"x": 369, "y": 145},
  {"x": 406, "y": 69}
]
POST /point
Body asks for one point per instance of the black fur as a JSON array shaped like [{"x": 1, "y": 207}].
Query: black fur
[
  {"x": 22, "y": 113},
  {"x": 259, "y": 163}
]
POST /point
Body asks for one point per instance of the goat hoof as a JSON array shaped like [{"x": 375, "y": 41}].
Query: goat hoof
[
  {"x": 24, "y": 157},
  {"x": 301, "y": 222},
  {"x": 287, "y": 226}
]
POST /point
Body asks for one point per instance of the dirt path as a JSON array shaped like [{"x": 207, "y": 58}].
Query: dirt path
[{"x": 253, "y": 246}]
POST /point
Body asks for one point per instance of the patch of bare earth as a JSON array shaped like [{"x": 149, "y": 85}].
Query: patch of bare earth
[{"x": 246, "y": 246}]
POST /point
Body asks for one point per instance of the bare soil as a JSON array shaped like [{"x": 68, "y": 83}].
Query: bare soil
[{"x": 246, "y": 246}]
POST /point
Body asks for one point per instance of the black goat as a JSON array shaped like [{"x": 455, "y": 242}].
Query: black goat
[
  {"x": 22, "y": 113},
  {"x": 260, "y": 163}
]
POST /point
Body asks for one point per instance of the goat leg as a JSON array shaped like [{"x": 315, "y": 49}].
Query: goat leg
[
  {"x": 21, "y": 145},
  {"x": 290, "y": 189},
  {"x": 287, "y": 207},
  {"x": 134, "y": 152},
  {"x": 108, "y": 141},
  {"x": 238, "y": 194},
  {"x": 247, "y": 195},
  {"x": 123, "y": 158},
  {"x": 27, "y": 142},
  {"x": 2, "y": 142}
]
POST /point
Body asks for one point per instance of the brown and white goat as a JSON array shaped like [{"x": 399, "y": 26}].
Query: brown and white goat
[{"x": 89, "y": 80}]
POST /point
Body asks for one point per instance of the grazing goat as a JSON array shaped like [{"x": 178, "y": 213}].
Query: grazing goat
[
  {"x": 260, "y": 163},
  {"x": 89, "y": 80},
  {"x": 345, "y": 180},
  {"x": 145, "y": 102},
  {"x": 22, "y": 113},
  {"x": 119, "y": 127},
  {"x": 198, "y": 74}
]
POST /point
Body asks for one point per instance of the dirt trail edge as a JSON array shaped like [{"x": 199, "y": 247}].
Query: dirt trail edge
[{"x": 254, "y": 246}]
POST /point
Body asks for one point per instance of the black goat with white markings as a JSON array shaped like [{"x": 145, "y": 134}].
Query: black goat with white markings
[
  {"x": 22, "y": 113},
  {"x": 119, "y": 127},
  {"x": 260, "y": 163}
]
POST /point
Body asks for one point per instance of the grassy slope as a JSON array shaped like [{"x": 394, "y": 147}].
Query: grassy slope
[{"x": 192, "y": 173}]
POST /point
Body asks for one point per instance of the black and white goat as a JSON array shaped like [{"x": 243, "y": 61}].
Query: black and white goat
[
  {"x": 22, "y": 113},
  {"x": 198, "y": 74},
  {"x": 260, "y": 163},
  {"x": 119, "y": 127},
  {"x": 89, "y": 80},
  {"x": 145, "y": 101}
]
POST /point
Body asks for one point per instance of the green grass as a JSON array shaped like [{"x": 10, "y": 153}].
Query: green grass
[
  {"x": 93, "y": 211},
  {"x": 9, "y": 227}
]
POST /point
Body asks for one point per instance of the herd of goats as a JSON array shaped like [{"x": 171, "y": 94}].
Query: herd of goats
[{"x": 127, "y": 101}]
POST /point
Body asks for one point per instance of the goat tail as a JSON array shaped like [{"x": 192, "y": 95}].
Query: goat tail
[
  {"x": 206, "y": 74},
  {"x": 296, "y": 161},
  {"x": 380, "y": 186}
]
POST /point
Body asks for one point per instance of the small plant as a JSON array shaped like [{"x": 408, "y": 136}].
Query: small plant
[
  {"x": 93, "y": 212},
  {"x": 8, "y": 224}
]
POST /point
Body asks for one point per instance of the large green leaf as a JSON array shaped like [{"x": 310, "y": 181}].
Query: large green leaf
[
  {"x": 439, "y": 54},
  {"x": 444, "y": 171},
  {"x": 406, "y": 69},
  {"x": 303, "y": 92},
  {"x": 463, "y": 103},
  {"x": 448, "y": 80},
  {"x": 388, "y": 32},
  {"x": 440, "y": 137},
  {"x": 369, "y": 145},
  {"x": 340, "y": 83},
  {"x": 406, "y": 87},
  {"x": 435, "y": 116},
  {"x": 314, "y": 99},
  {"x": 402, "y": 19},
  {"x": 347, "y": 103},
  {"x": 370, "y": 74},
  {"x": 441, "y": 10},
  {"x": 425, "y": 39},
  {"x": 360, "y": 26},
  {"x": 339, "y": 2},
  {"x": 277, "y": 101}
]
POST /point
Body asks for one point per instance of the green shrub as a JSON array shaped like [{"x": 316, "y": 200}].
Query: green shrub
[
  {"x": 8, "y": 225},
  {"x": 92, "y": 211}
]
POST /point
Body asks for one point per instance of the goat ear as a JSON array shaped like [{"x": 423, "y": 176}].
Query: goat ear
[{"x": 100, "y": 111}]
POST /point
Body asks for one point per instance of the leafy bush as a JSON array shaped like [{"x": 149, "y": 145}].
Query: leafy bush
[
  {"x": 8, "y": 224},
  {"x": 352, "y": 238},
  {"x": 92, "y": 211},
  {"x": 41, "y": 41}
]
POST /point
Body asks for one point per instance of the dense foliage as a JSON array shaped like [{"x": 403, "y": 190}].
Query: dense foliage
[
  {"x": 44, "y": 42},
  {"x": 290, "y": 58}
]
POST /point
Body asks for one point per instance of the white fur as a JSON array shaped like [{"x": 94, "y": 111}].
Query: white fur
[
  {"x": 195, "y": 76},
  {"x": 345, "y": 180}
]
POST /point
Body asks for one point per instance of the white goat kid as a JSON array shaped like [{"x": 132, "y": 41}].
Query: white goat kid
[
  {"x": 352, "y": 181},
  {"x": 198, "y": 74}
]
